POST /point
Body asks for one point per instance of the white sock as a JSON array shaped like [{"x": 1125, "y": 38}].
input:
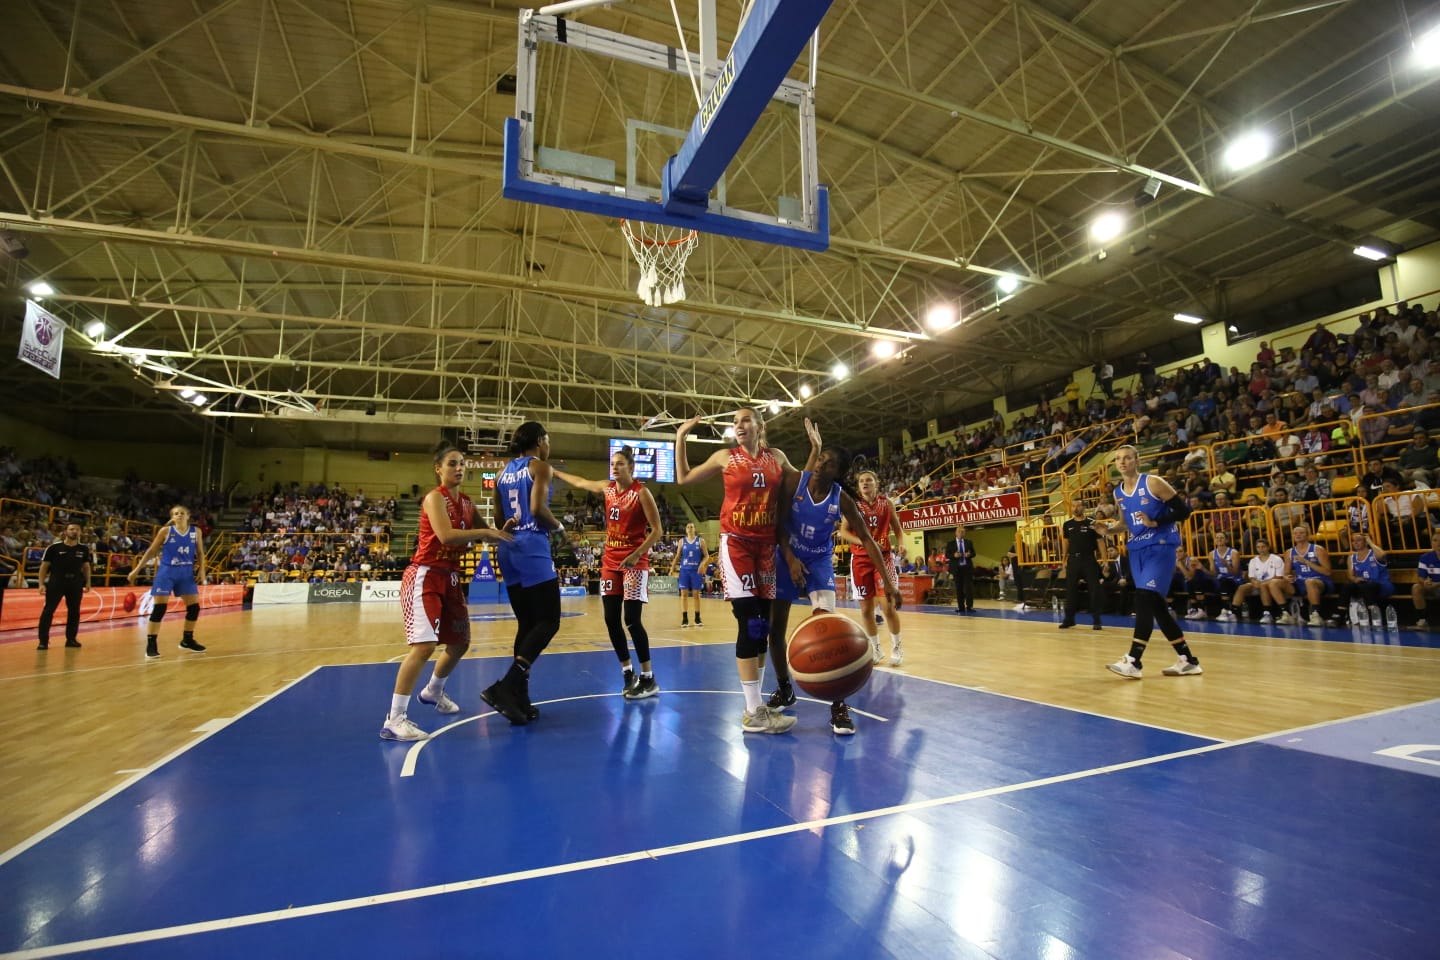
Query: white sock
[
  {"x": 894, "y": 639},
  {"x": 399, "y": 704},
  {"x": 436, "y": 686},
  {"x": 874, "y": 638},
  {"x": 752, "y": 694}
]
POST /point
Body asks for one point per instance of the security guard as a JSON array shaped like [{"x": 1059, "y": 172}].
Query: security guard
[
  {"x": 64, "y": 574},
  {"x": 1082, "y": 561}
]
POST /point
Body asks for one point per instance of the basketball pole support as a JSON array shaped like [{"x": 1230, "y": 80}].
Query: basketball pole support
[{"x": 770, "y": 41}]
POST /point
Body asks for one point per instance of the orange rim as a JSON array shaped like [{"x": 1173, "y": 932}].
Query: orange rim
[{"x": 646, "y": 241}]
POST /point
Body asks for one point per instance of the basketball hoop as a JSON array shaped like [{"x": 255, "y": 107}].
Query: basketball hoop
[{"x": 661, "y": 253}]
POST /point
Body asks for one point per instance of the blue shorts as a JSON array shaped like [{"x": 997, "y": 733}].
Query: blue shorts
[
  {"x": 1152, "y": 567},
  {"x": 526, "y": 560},
  {"x": 819, "y": 575},
  {"x": 1326, "y": 581},
  {"x": 179, "y": 581},
  {"x": 690, "y": 579}
]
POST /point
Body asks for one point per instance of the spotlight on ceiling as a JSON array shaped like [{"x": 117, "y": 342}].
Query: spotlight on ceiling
[
  {"x": 41, "y": 289},
  {"x": 1189, "y": 318},
  {"x": 1370, "y": 252},
  {"x": 1427, "y": 49},
  {"x": 186, "y": 394},
  {"x": 839, "y": 371},
  {"x": 942, "y": 316},
  {"x": 774, "y": 407},
  {"x": 729, "y": 433},
  {"x": 95, "y": 329},
  {"x": 882, "y": 349},
  {"x": 199, "y": 399},
  {"x": 1247, "y": 150},
  {"x": 805, "y": 391},
  {"x": 1107, "y": 226},
  {"x": 1007, "y": 283}
]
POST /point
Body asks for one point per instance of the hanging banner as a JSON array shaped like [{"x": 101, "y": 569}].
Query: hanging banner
[
  {"x": 974, "y": 513},
  {"x": 43, "y": 339}
]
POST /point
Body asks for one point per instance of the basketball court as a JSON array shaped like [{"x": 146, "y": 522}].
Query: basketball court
[{"x": 1003, "y": 797}]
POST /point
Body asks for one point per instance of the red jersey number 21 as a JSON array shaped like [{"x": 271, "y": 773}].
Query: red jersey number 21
[{"x": 757, "y": 479}]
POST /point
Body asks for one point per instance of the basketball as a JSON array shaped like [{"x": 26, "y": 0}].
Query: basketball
[
  {"x": 129, "y": 602},
  {"x": 829, "y": 656}
]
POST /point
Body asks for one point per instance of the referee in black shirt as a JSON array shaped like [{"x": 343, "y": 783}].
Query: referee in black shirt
[
  {"x": 64, "y": 574},
  {"x": 1082, "y": 560}
]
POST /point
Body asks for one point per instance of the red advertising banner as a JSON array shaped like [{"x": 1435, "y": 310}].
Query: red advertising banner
[
  {"x": 973, "y": 513},
  {"x": 22, "y": 607}
]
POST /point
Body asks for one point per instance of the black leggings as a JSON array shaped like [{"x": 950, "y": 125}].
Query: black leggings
[
  {"x": 1150, "y": 609},
  {"x": 614, "y": 605},
  {"x": 537, "y": 615}
]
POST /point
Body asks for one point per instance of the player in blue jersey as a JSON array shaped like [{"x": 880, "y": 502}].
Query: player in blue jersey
[
  {"x": 522, "y": 495},
  {"x": 1150, "y": 512},
  {"x": 1370, "y": 587},
  {"x": 811, "y": 508},
  {"x": 181, "y": 550},
  {"x": 689, "y": 560}
]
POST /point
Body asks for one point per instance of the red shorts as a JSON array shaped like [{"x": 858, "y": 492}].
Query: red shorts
[
  {"x": 747, "y": 567},
  {"x": 632, "y": 583},
  {"x": 865, "y": 581},
  {"x": 433, "y": 601}
]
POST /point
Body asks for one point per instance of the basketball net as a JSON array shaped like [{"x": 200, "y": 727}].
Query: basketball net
[{"x": 661, "y": 253}]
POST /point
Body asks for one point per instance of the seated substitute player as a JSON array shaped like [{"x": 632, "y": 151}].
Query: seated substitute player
[
  {"x": 181, "y": 566},
  {"x": 1266, "y": 572},
  {"x": 809, "y": 514},
  {"x": 1216, "y": 581},
  {"x": 1369, "y": 588},
  {"x": 1427, "y": 580},
  {"x": 1307, "y": 572}
]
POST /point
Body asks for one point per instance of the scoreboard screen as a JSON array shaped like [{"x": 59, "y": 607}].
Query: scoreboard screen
[{"x": 654, "y": 459}]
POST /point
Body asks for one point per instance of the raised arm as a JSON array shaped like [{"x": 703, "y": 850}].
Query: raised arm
[
  {"x": 711, "y": 467},
  {"x": 592, "y": 486}
]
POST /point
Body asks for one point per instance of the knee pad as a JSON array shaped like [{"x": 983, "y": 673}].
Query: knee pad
[
  {"x": 192, "y": 612},
  {"x": 157, "y": 613},
  {"x": 754, "y": 639}
]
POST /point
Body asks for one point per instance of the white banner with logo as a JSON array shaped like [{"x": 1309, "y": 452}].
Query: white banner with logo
[
  {"x": 43, "y": 339},
  {"x": 281, "y": 593},
  {"x": 380, "y": 591}
]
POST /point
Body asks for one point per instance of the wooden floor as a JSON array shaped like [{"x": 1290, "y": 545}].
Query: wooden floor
[{"x": 81, "y": 719}]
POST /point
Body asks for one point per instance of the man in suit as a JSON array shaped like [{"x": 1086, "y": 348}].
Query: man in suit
[{"x": 960, "y": 557}]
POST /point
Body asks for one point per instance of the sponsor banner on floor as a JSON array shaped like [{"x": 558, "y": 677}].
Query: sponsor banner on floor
[
  {"x": 334, "y": 592},
  {"x": 573, "y": 591},
  {"x": 266, "y": 593},
  {"x": 380, "y": 591},
  {"x": 665, "y": 584},
  {"x": 22, "y": 607}
]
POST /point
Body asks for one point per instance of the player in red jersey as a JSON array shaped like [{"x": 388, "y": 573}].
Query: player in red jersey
[
  {"x": 865, "y": 581},
  {"x": 752, "y": 472},
  {"x": 431, "y": 595},
  {"x": 632, "y": 525}
]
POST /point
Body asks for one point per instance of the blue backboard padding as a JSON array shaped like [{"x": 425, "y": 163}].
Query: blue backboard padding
[
  {"x": 771, "y": 38},
  {"x": 625, "y": 208}
]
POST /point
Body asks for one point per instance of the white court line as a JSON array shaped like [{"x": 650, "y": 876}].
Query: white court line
[
  {"x": 219, "y": 723},
  {"x": 74, "y": 815},
  {"x": 419, "y": 893},
  {"x": 208, "y": 658},
  {"x": 412, "y": 756},
  {"x": 1088, "y": 713}
]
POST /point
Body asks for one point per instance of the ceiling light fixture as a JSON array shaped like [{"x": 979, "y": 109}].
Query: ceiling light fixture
[
  {"x": 1107, "y": 226},
  {"x": 1370, "y": 253},
  {"x": 805, "y": 391},
  {"x": 1247, "y": 150},
  {"x": 882, "y": 349},
  {"x": 839, "y": 371},
  {"x": 95, "y": 329},
  {"x": 1427, "y": 49},
  {"x": 1008, "y": 283},
  {"x": 41, "y": 289},
  {"x": 1189, "y": 318},
  {"x": 942, "y": 316}
]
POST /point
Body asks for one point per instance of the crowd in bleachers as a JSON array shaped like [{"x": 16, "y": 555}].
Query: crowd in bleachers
[{"x": 40, "y": 495}]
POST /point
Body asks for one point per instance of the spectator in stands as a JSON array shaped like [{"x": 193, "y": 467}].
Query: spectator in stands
[
  {"x": 1321, "y": 341},
  {"x": 1418, "y": 461},
  {"x": 1404, "y": 513},
  {"x": 1372, "y": 481}
]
